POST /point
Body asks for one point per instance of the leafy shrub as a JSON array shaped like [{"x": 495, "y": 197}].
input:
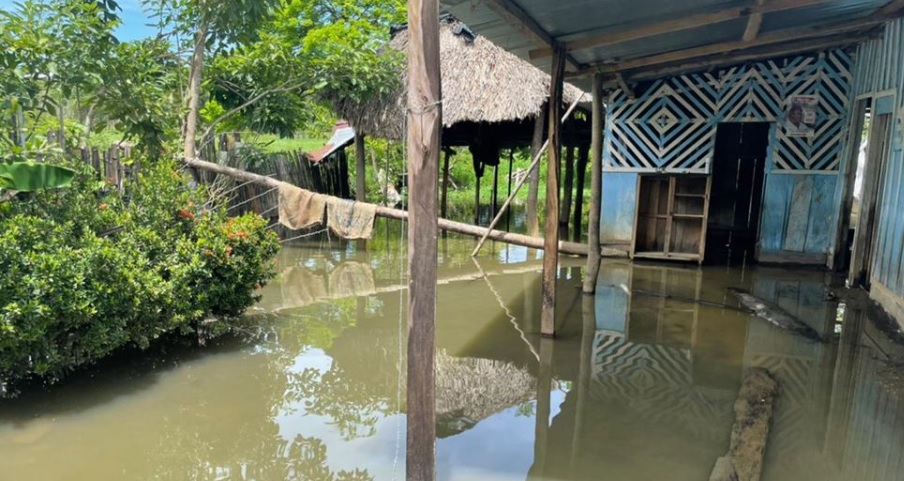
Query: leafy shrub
[{"x": 87, "y": 272}]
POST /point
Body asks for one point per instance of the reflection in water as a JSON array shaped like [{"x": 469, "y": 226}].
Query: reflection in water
[{"x": 639, "y": 385}]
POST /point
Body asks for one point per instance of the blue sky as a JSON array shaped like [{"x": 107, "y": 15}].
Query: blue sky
[{"x": 134, "y": 20}]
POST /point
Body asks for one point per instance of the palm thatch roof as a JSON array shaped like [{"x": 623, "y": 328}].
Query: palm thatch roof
[{"x": 481, "y": 83}]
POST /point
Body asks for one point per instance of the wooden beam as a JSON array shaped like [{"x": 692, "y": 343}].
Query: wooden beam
[
  {"x": 676, "y": 25},
  {"x": 514, "y": 15},
  {"x": 551, "y": 255},
  {"x": 781, "y": 36},
  {"x": 719, "y": 60},
  {"x": 596, "y": 186},
  {"x": 623, "y": 85},
  {"x": 424, "y": 126},
  {"x": 890, "y": 8},
  {"x": 396, "y": 214},
  {"x": 753, "y": 24}
]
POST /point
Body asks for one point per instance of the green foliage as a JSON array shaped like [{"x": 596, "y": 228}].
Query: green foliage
[{"x": 84, "y": 276}]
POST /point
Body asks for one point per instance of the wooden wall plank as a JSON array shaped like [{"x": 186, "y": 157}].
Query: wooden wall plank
[
  {"x": 821, "y": 228},
  {"x": 798, "y": 214},
  {"x": 776, "y": 202},
  {"x": 619, "y": 200}
]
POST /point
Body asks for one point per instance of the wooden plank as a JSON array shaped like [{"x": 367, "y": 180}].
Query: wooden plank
[
  {"x": 776, "y": 201},
  {"x": 669, "y": 212},
  {"x": 682, "y": 22},
  {"x": 514, "y": 15},
  {"x": 551, "y": 251},
  {"x": 820, "y": 233},
  {"x": 799, "y": 214},
  {"x": 619, "y": 194},
  {"x": 596, "y": 187},
  {"x": 424, "y": 127}
]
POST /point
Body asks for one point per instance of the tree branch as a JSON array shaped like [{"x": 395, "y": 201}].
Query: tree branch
[{"x": 285, "y": 87}]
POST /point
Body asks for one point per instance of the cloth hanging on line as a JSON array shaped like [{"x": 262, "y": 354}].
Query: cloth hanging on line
[
  {"x": 351, "y": 220},
  {"x": 299, "y": 208}
]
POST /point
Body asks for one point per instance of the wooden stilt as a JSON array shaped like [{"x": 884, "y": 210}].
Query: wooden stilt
[
  {"x": 533, "y": 191},
  {"x": 568, "y": 192},
  {"x": 577, "y": 223},
  {"x": 508, "y": 218},
  {"x": 360, "y": 184},
  {"x": 477, "y": 202},
  {"x": 544, "y": 404},
  {"x": 596, "y": 187},
  {"x": 444, "y": 194},
  {"x": 424, "y": 124},
  {"x": 495, "y": 189},
  {"x": 551, "y": 244}
]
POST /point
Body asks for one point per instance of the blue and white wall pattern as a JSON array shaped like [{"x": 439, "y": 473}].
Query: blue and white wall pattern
[{"x": 671, "y": 126}]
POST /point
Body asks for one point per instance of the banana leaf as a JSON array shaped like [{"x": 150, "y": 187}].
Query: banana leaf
[{"x": 32, "y": 176}]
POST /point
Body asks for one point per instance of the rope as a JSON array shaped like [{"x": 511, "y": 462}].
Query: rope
[
  {"x": 402, "y": 264},
  {"x": 310, "y": 234}
]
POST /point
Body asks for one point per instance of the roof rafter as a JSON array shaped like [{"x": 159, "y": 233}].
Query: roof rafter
[
  {"x": 678, "y": 24},
  {"x": 515, "y": 15},
  {"x": 777, "y": 37},
  {"x": 753, "y": 24}
]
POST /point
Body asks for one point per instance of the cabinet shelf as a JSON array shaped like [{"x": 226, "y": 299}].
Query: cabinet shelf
[{"x": 671, "y": 217}]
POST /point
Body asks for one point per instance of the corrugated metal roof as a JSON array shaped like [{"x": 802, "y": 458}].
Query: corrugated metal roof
[
  {"x": 343, "y": 136},
  {"x": 567, "y": 21}
]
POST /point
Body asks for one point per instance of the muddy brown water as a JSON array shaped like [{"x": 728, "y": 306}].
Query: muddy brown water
[{"x": 639, "y": 384}]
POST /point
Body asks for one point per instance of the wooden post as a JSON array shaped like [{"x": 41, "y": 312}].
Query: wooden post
[
  {"x": 444, "y": 195},
  {"x": 544, "y": 404},
  {"x": 568, "y": 192},
  {"x": 596, "y": 187},
  {"x": 583, "y": 153},
  {"x": 495, "y": 189},
  {"x": 424, "y": 123},
  {"x": 508, "y": 218},
  {"x": 551, "y": 240},
  {"x": 533, "y": 219},
  {"x": 360, "y": 184},
  {"x": 477, "y": 202}
]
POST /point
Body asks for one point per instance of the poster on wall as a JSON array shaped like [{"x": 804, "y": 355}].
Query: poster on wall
[{"x": 800, "y": 116}]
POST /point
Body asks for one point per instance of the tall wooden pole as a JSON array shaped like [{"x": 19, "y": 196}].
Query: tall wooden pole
[
  {"x": 596, "y": 186},
  {"x": 536, "y": 145},
  {"x": 551, "y": 241},
  {"x": 424, "y": 121},
  {"x": 360, "y": 184},
  {"x": 444, "y": 193},
  {"x": 495, "y": 189},
  {"x": 567, "y": 192},
  {"x": 580, "y": 176},
  {"x": 508, "y": 219}
]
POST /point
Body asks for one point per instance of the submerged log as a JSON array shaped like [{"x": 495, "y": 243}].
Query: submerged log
[
  {"x": 753, "y": 412},
  {"x": 390, "y": 213}
]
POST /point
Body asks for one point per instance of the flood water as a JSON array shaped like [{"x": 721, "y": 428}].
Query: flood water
[{"x": 639, "y": 384}]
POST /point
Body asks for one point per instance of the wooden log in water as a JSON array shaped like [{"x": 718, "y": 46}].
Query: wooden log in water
[
  {"x": 753, "y": 413},
  {"x": 390, "y": 213}
]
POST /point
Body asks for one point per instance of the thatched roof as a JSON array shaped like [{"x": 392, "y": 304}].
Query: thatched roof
[{"x": 481, "y": 82}]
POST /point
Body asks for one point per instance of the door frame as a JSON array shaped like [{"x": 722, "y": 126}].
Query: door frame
[{"x": 863, "y": 249}]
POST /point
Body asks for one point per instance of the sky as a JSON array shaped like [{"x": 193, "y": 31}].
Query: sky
[{"x": 134, "y": 20}]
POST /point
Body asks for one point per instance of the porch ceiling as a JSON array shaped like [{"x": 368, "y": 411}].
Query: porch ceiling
[{"x": 628, "y": 40}]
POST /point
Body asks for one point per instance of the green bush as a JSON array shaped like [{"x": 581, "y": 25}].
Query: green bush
[{"x": 86, "y": 273}]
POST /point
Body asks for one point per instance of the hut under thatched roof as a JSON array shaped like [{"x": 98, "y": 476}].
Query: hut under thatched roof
[{"x": 487, "y": 92}]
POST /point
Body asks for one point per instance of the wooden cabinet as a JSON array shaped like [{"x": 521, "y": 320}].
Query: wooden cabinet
[{"x": 670, "y": 222}]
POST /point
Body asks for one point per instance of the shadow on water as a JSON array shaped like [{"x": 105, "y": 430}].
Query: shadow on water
[{"x": 639, "y": 383}]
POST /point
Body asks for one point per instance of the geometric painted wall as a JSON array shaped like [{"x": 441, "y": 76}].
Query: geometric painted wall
[{"x": 671, "y": 126}]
